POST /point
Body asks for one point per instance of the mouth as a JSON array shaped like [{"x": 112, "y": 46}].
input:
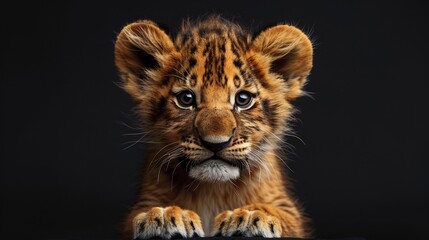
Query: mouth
[{"x": 214, "y": 169}]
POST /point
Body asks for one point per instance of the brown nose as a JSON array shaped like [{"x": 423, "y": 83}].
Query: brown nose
[{"x": 215, "y": 128}]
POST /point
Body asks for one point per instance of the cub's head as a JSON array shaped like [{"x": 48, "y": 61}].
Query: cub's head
[{"x": 216, "y": 98}]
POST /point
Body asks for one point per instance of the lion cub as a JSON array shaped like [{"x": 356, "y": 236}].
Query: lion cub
[{"x": 214, "y": 101}]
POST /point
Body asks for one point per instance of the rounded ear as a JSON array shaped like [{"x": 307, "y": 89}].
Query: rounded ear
[
  {"x": 141, "y": 47},
  {"x": 289, "y": 53}
]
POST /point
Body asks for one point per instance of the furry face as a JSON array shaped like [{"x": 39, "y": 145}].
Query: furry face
[{"x": 215, "y": 98}]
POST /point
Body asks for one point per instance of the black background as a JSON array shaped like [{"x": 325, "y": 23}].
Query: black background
[{"x": 361, "y": 172}]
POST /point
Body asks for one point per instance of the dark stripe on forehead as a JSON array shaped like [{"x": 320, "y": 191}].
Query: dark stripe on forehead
[
  {"x": 225, "y": 81},
  {"x": 193, "y": 80},
  {"x": 207, "y": 77},
  {"x": 184, "y": 38},
  {"x": 222, "y": 80},
  {"x": 214, "y": 66},
  {"x": 243, "y": 73},
  {"x": 234, "y": 50},
  {"x": 238, "y": 63},
  {"x": 248, "y": 77},
  {"x": 237, "y": 81},
  {"x": 206, "y": 48},
  {"x": 192, "y": 62},
  {"x": 193, "y": 49},
  {"x": 222, "y": 46}
]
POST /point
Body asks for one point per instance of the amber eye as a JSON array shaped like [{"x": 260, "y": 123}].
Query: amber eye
[
  {"x": 243, "y": 99},
  {"x": 185, "y": 99}
]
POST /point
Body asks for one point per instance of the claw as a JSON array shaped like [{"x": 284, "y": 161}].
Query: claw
[
  {"x": 245, "y": 223},
  {"x": 167, "y": 223}
]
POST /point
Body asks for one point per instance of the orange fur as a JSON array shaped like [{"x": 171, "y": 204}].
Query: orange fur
[{"x": 241, "y": 190}]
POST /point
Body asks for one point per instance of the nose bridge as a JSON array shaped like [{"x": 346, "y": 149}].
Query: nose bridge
[{"x": 215, "y": 125}]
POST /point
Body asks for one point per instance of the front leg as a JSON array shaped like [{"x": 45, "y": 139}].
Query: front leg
[
  {"x": 258, "y": 220},
  {"x": 167, "y": 223}
]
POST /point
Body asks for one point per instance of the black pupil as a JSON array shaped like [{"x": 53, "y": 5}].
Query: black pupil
[
  {"x": 186, "y": 98},
  {"x": 243, "y": 99}
]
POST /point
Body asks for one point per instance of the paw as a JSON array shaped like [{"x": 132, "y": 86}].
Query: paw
[
  {"x": 167, "y": 223},
  {"x": 242, "y": 222}
]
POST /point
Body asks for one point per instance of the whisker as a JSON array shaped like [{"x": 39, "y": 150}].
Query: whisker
[
  {"x": 134, "y": 134},
  {"x": 177, "y": 71},
  {"x": 169, "y": 155},
  {"x": 154, "y": 157},
  {"x": 247, "y": 167},
  {"x": 134, "y": 142},
  {"x": 177, "y": 76},
  {"x": 188, "y": 187},
  {"x": 289, "y": 146},
  {"x": 166, "y": 158},
  {"x": 140, "y": 141},
  {"x": 199, "y": 182},
  {"x": 183, "y": 67},
  {"x": 277, "y": 156},
  {"x": 235, "y": 188},
  {"x": 295, "y": 136},
  {"x": 128, "y": 126},
  {"x": 261, "y": 151}
]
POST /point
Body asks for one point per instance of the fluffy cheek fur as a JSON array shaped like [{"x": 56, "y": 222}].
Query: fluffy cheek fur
[
  {"x": 164, "y": 121},
  {"x": 266, "y": 120}
]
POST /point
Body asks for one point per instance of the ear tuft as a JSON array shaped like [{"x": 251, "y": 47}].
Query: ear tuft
[{"x": 290, "y": 55}]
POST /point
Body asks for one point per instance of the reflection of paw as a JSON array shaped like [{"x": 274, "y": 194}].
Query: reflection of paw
[
  {"x": 167, "y": 223},
  {"x": 242, "y": 222}
]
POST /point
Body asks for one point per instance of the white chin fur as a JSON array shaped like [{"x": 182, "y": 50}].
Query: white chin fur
[{"x": 214, "y": 171}]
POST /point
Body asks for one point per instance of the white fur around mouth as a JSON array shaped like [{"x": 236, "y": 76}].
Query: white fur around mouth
[{"x": 214, "y": 170}]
